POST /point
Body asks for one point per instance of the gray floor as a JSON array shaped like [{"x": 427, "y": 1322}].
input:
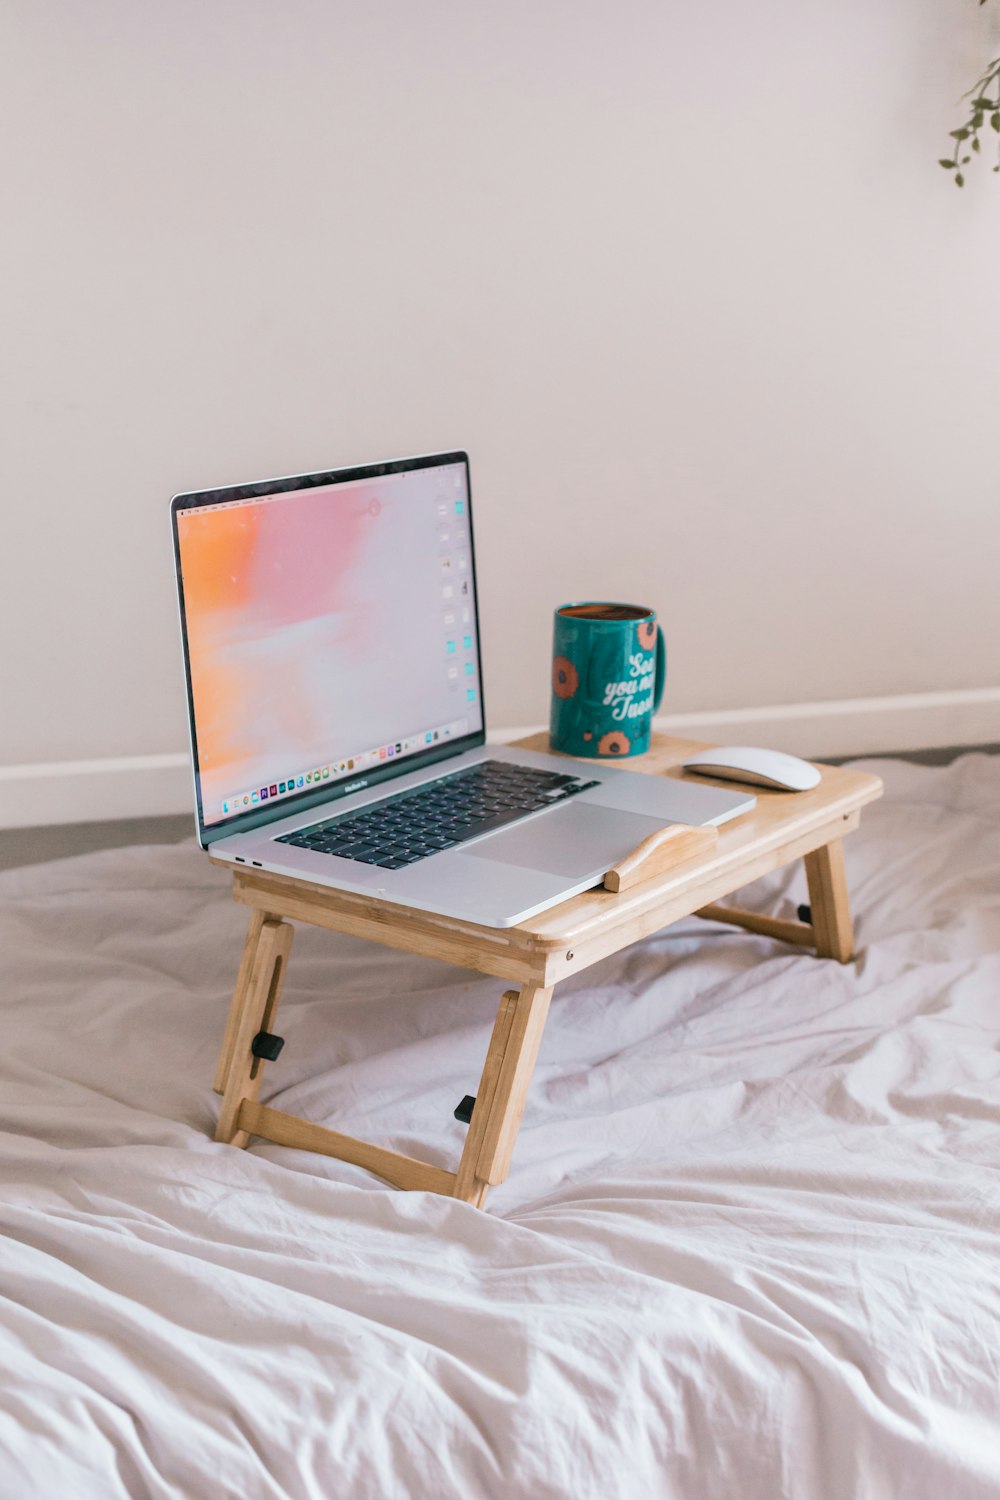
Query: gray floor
[{"x": 32, "y": 846}]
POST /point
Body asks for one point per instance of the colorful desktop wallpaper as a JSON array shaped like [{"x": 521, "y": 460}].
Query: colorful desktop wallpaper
[{"x": 321, "y": 622}]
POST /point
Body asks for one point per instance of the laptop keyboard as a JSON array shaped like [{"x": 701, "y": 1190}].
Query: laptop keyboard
[{"x": 413, "y": 825}]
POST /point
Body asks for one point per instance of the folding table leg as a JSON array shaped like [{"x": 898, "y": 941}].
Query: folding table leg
[
  {"x": 829, "y": 901},
  {"x": 503, "y": 1089},
  {"x": 258, "y": 1005},
  {"x": 236, "y": 1006}
]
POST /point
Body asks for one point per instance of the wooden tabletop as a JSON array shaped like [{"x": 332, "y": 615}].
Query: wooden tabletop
[
  {"x": 783, "y": 826},
  {"x": 569, "y": 937}
]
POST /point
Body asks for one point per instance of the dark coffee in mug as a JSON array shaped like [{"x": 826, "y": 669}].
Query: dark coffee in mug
[{"x": 605, "y": 611}]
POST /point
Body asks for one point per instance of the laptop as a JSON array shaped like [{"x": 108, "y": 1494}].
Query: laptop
[{"x": 331, "y": 644}]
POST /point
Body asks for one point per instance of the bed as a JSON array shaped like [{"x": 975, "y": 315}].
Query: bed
[{"x": 748, "y": 1247}]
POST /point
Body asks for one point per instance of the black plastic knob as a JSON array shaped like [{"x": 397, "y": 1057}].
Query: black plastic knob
[{"x": 266, "y": 1045}]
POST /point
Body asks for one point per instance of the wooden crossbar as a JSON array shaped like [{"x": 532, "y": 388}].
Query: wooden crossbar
[
  {"x": 288, "y": 1130},
  {"x": 776, "y": 927}
]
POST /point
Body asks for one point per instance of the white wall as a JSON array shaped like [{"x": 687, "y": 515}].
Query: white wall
[{"x": 718, "y": 332}]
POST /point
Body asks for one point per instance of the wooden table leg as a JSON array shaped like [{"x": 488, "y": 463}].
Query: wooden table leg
[
  {"x": 829, "y": 901},
  {"x": 258, "y": 1006},
  {"x": 467, "y": 1185},
  {"x": 503, "y": 1089},
  {"x": 236, "y": 1006}
]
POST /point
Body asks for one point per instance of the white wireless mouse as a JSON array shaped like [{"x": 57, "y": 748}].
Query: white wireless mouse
[{"x": 770, "y": 768}]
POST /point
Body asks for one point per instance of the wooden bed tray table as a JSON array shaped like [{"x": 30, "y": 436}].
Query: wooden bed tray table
[{"x": 684, "y": 872}]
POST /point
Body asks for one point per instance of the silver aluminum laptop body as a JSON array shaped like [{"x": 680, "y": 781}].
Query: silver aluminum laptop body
[{"x": 286, "y": 592}]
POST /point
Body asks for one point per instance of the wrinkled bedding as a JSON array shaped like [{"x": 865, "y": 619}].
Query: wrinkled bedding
[{"x": 749, "y": 1246}]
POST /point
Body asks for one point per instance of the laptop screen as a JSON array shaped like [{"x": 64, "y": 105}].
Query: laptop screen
[{"x": 330, "y": 630}]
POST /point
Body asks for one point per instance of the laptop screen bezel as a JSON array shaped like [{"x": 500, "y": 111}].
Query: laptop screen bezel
[{"x": 258, "y": 817}]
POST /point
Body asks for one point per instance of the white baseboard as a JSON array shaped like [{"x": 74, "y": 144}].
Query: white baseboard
[
  {"x": 855, "y": 726},
  {"x": 842, "y": 726},
  {"x": 84, "y": 791},
  {"x": 142, "y": 786}
]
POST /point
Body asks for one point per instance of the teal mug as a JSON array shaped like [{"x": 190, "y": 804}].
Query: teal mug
[{"x": 609, "y": 669}]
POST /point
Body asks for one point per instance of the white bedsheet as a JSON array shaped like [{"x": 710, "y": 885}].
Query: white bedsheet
[{"x": 748, "y": 1247}]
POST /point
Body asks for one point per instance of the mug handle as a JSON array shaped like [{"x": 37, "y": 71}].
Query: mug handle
[{"x": 661, "y": 668}]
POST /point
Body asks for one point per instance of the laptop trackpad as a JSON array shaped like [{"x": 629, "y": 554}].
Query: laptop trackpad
[{"x": 574, "y": 840}]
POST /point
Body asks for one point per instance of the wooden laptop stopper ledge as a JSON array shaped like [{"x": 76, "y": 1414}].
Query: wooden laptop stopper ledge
[{"x": 660, "y": 852}]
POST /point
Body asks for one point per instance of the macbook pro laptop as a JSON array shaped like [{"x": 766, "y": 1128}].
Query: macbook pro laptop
[{"x": 332, "y": 651}]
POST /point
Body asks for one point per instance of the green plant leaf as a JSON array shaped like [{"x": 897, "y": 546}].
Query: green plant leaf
[
  {"x": 944, "y": 161},
  {"x": 959, "y": 135},
  {"x": 995, "y": 120},
  {"x": 975, "y": 145},
  {"x": 959, "y": 180}
]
